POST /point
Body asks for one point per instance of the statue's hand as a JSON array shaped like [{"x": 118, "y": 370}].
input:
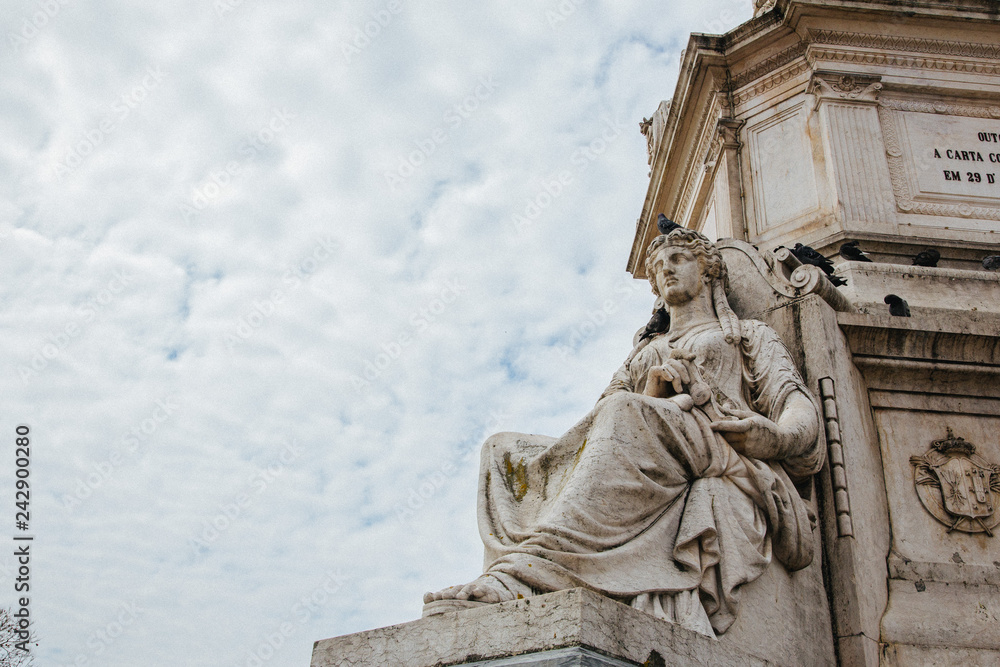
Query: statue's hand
[
  {"x": 752, "y": 435},
  {"x": 669, "y": 379}
]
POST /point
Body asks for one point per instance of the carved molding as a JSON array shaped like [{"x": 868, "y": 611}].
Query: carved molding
[
  {"x": 702, "y": 148},
  {"x": 957, "y": 486},
  {"x": 908, "y": 44},
  {"x": 821, "y": 46},
  {"x": 820, "y": 53},
  {"x": 942, "y": 108},
  {"x": 767, "y": 65},
  {"x": 889, "y": 119},
  {"x": 760, "y": 22},
  {"x": 769, "y": 82},
  {"x": 729, "y": 132},
  {"x": 838, "y": 476}
]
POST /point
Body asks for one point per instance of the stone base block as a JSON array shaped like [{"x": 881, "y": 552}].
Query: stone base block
[
  {"x": 574, "y": 627},
  {"x": 563, "y": 657}
]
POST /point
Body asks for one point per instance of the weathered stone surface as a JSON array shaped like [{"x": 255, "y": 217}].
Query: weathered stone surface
[
  {"x": 853, "y": 120},
  {"x": 974, "y": 292},
  {"x": 573, "y": 618},
  {"x": 565, "y": 657},
  {"x": 931, "y": 613},
  {"x": 676, "y": 490}
]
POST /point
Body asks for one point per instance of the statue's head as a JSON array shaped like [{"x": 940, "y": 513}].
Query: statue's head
[
  {"x": 711, "y": 266},
  {"x": 709, "y": 258}
]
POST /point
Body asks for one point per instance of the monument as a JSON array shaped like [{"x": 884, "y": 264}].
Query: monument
[{"x": 782, "y": 472}]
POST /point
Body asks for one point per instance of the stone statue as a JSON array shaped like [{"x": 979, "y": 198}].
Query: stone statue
[
  {"x": 677, "y": 488},
  {"x": 762, "y": 6},
  {"x": 652, "y": 128}
]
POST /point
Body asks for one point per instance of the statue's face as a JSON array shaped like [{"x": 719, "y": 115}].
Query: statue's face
[{"x": 679, "y": 276}]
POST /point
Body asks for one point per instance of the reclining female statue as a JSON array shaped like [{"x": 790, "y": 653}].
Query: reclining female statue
[{"x": 677, "y": 488}]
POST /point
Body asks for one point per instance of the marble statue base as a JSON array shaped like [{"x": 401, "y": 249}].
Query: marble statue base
[{"x": 573, "y": 627}]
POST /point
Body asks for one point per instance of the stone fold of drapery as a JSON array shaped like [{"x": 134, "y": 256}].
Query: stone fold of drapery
[{"x": 642, "y": 501}]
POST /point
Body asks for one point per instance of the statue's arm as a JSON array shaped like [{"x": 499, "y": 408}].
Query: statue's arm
[
  {"x": 790, "y": 435},
  {"x": 620, "y": 381},
  {"x": 787, "y": 423}
]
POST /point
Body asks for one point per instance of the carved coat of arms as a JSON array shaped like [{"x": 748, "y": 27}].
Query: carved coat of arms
[{"x": 957, "y": 486}]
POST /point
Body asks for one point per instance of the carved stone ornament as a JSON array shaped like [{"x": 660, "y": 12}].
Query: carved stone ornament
[
  {"x": 762, "y": 6},
  {"x": 957, "y": 486},
  {"x": 852, "y": 87},
  {"x": 652, "y": 128}
]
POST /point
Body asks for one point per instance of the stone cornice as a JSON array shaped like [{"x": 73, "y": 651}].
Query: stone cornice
[
  {"x": 819, "y": 53},
  {"x": 726, "y": 75},
  {"x": 767, "y": 83},
  {"x": 931, "y": 339},
  {"x": 905, "y": 44},
  {"x": 759, "y": 69}
]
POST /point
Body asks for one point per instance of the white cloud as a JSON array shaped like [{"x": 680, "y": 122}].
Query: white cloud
[{"x": 301, "y": 272}]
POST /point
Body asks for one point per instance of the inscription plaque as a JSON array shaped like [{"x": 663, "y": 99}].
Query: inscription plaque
[{"x": 943, "y": 159}]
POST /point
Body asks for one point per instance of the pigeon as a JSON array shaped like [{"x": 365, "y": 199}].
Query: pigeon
[
  {"x": 927, "y": 257},
  {"x": 659, "y": 323},
  {"x": 897, "y": 306},
  {"x": 666, "y": 225},
  {"x": 851, "y": 251},
  {"x": 807, "y": 255},
  {"x": 992, "y": 263}
]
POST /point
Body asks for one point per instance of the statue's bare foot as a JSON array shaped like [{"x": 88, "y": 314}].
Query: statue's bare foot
[{"x": 486, "y": 588}]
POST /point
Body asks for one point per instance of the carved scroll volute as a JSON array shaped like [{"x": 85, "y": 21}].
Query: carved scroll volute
[{"x": 841, "y": 87}]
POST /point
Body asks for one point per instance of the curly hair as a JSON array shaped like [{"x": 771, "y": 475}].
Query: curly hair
[
  {"x": 712, "y": 266},
  {"x": 709, "y": 258}
]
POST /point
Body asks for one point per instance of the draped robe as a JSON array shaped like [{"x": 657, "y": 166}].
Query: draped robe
[{"x": 642, "y": 501}]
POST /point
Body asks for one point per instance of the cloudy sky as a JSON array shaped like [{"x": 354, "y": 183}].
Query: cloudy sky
[{"x": 271, "y": 272}]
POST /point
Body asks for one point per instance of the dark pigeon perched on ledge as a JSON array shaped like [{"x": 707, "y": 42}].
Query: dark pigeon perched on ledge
[
  {"x": 927, "y": 257},
  {"x": 897, "y": 306},
  {"x": 807, "y": 255},
  {"x": 851, "y": 251}
]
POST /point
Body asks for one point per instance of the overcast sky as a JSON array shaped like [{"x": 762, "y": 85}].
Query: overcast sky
[{"x": 271, "y": 272}]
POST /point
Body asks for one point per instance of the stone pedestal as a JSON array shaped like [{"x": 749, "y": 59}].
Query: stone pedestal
[
  {"x": 825, "y": 121},
  {"x": 574, "y": 627}
]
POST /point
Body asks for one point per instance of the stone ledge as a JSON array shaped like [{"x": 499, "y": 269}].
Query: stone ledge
[{"x": 566, "y": 619}]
